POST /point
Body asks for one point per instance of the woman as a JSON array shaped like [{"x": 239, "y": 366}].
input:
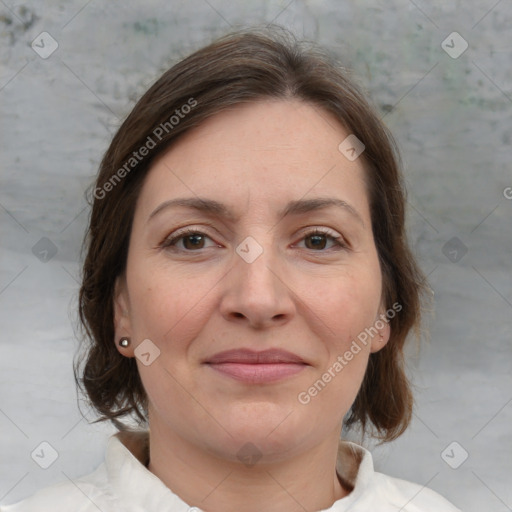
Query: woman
[{"x": 247, "y": 291}]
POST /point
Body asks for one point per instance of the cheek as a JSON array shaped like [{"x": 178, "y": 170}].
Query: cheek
[
  {"x": 349, "y": 309},
  {"x": 153, "y": 311},
  {"x": 165, "y": 305},
  {"x": 349, "y": 303}
]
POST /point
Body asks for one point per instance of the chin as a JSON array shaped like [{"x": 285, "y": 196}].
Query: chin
[
  {"x": 255, "y": 447},
  {"x": 269, "y": 429}
]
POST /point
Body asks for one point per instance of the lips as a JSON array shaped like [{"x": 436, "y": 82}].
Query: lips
[
  {"x": 257, "y": 366},
  {"x": 246, "y": 356}
]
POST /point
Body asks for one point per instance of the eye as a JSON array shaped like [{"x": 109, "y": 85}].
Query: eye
[
  {"x": 318, "y": 239},
  {"x": 192, "y": 239}
]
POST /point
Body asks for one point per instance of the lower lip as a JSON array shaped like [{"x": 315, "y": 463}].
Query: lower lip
[{"x": 258, "y": 373}]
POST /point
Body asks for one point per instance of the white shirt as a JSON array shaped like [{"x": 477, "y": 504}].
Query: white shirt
[{"x": 123, "y": 484}]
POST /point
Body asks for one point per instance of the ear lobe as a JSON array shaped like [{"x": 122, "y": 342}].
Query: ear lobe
[
  {"x": 122, "y": 324},
  {"x": 380, "y": 340}
]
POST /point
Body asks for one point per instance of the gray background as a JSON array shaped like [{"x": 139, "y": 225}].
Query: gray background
[{"x": 452, "y": 119}]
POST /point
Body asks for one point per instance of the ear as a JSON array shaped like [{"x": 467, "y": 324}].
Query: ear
[
  {"x": 122, "y": 322},
  {"x": 380, "y": 340}
]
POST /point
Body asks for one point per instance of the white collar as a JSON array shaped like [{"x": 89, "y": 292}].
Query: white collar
[{"x": 132, "y": 483}]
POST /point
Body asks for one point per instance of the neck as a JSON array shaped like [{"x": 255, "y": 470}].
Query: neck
[{"x": 306, "y": 482}]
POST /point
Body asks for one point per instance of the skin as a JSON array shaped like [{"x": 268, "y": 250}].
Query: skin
[{"x": 193, "y": 301}]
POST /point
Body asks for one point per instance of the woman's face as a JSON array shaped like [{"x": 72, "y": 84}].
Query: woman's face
[{"x": 250, "y": 279}]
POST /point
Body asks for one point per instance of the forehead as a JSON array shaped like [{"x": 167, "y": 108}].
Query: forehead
[{"x": 268, "y": 152}]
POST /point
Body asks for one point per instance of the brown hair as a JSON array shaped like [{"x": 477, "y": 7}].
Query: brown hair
[{"x": 243, "y": 66}]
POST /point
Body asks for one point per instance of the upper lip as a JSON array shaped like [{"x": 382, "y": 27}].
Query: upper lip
[{"x": 248, "y": 356}]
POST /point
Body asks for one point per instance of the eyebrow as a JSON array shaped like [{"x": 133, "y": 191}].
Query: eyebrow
[{"x": 298, "y": 207}]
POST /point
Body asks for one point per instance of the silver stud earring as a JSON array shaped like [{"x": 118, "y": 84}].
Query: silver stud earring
[{"x": 124, "y": 342}]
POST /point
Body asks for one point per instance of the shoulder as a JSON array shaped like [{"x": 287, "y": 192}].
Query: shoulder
[
  {"x": 376, "y": 491},
  {"x": 119, "y": 484},
  {"x": 411, "y": 497},
  {"x": 86, "y": 494}
]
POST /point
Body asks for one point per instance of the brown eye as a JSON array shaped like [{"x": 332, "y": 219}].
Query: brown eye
[
  {"x": 191, "y": 240},
  {"x": 317, "y": 241},
  {"x": 195, "y": 241}
]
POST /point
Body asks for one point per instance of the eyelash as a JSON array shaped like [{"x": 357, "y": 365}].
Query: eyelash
[{"x": 171, "y": 241}]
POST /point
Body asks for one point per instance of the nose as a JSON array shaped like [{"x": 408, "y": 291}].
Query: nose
[{"x": 257, "y": 294}]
